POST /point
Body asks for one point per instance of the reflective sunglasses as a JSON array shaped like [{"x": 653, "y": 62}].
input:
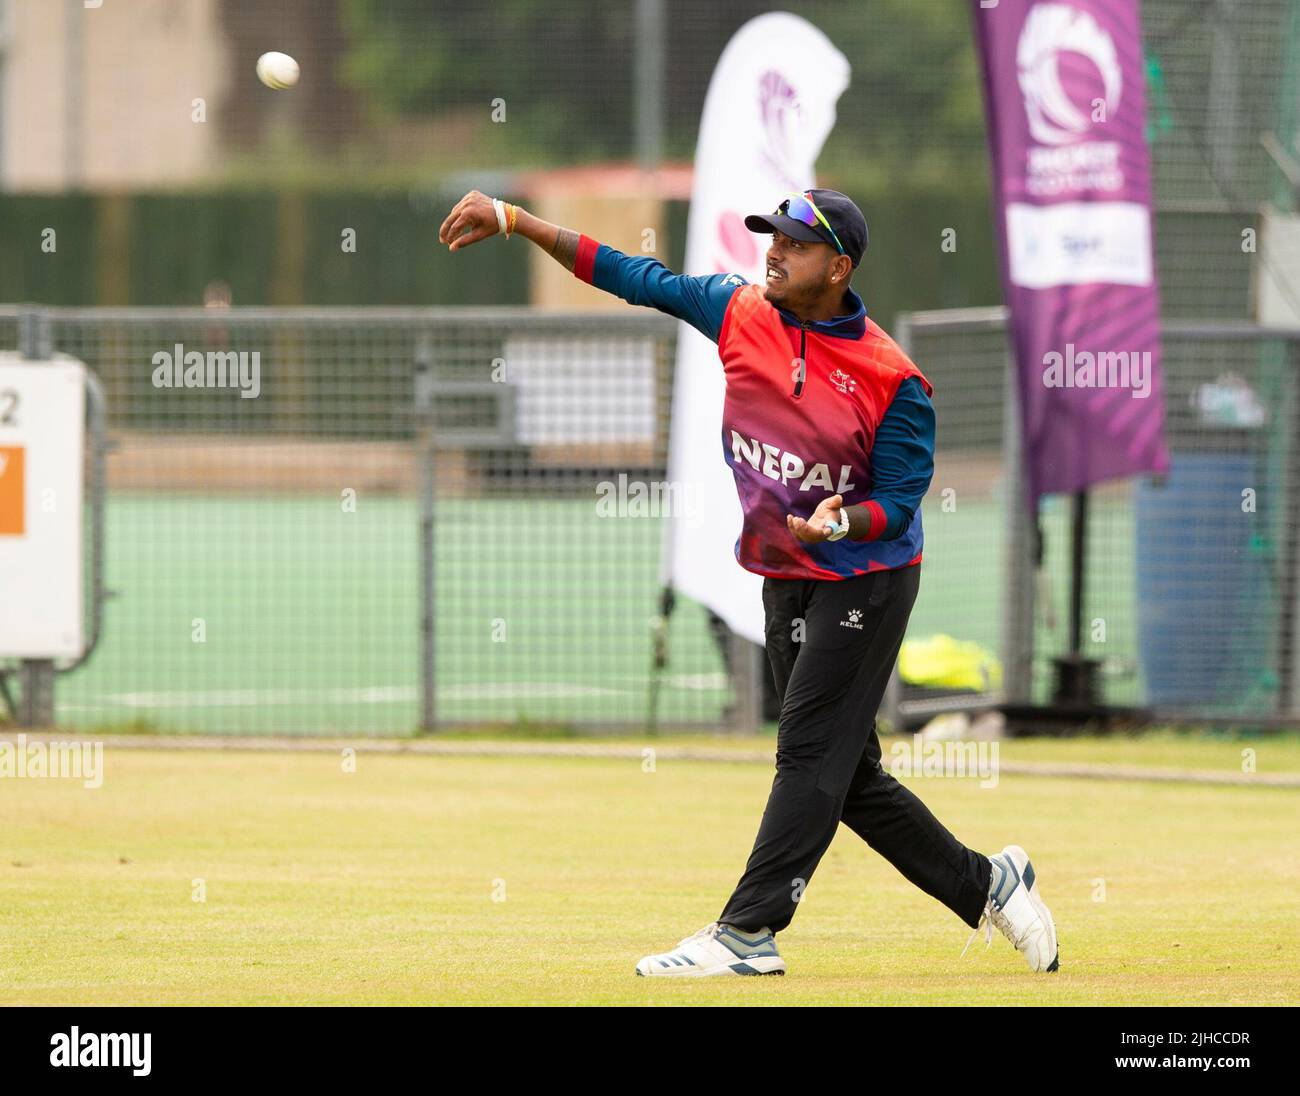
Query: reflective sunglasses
[{"x": 802, "y": 208}]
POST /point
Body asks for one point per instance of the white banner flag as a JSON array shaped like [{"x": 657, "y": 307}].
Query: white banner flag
[{"x": 770, "y": 107}]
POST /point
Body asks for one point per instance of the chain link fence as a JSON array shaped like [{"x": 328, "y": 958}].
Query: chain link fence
[
  {"x": 431, "y": 518},
  {"x": 1190, "y": 590},
  {"x": 326, "y": 521}
]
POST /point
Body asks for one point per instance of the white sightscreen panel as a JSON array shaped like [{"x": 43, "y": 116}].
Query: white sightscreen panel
[
  {"x": 42, "y": 442},
  {"x": 582, "y": 389}
]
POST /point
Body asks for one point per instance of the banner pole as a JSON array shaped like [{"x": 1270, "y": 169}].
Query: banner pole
[{"x": 1076, "y": 676}]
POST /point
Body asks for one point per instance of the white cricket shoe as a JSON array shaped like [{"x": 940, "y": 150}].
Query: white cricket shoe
[
  {"x": 717, "y": 949},
  {"x": 1018, "y": 910}
]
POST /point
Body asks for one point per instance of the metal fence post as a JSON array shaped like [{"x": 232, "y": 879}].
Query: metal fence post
[
  {"x": 1288, "y": 443},
  {"x": 1019, "y": 559},
  {"x": 96, "y": 488},
  {"x": 424, "y": 440},
  {"x": 891, "y": 704},
  {"x": 746, "y": 682},
  {"x": 36, "y": 676}
]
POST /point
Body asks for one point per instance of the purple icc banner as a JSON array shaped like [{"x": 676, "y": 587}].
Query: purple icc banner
[{"x": 1066, "y": 105}]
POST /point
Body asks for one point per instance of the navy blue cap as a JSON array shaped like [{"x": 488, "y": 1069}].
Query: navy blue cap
[{"x": 839, "y": 209}]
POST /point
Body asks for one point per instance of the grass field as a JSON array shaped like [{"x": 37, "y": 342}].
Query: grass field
[{"x": 378, "y": 886}]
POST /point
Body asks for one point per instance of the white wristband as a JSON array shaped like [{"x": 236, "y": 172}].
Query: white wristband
[
  {"x": 841, "y": 527},
  {"x": 500, "y": 208}
]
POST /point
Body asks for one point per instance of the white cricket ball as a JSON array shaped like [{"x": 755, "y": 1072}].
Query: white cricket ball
[{"x": 277, "y": 70}]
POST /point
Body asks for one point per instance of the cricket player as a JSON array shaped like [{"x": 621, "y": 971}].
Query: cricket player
[{"x": 829, "y": 431}]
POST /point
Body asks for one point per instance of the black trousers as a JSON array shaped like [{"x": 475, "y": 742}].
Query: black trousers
[{"x": 832, "y": 646}]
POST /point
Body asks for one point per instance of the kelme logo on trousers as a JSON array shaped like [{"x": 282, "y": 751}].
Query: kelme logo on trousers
[{"x": 854, "y": 620}]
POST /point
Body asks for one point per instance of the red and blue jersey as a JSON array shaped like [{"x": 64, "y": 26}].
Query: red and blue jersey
[{"x": 812, "y": 409}]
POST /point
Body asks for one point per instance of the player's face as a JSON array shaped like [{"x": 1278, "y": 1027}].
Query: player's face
[{"x": 798, "y": 271}]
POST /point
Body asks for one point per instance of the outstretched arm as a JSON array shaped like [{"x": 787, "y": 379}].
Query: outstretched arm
[{"x": 700, "y": 301}]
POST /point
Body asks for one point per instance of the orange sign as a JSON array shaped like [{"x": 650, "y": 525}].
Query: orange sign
[{"x": 11, "y": 490}]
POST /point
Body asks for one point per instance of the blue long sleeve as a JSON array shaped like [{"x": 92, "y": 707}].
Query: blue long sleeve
[
  {"x": 700, "y": 301},
  {"x": 902, "y": 457}
]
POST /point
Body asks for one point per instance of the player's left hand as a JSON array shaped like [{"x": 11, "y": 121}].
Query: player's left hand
[{"x": 814, "y": 530}]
